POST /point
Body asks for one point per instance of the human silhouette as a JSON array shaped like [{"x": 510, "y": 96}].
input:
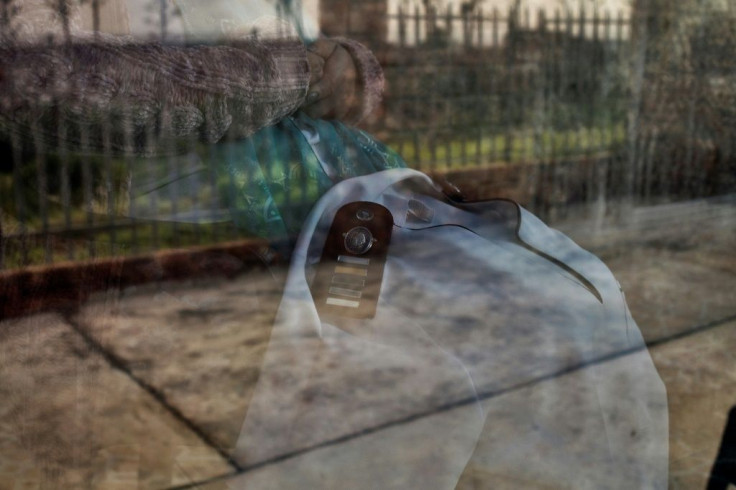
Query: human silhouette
[{"x": 723, "y": 472}]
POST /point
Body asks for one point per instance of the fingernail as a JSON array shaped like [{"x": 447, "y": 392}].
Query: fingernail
[{"x": 312, "y": 96}]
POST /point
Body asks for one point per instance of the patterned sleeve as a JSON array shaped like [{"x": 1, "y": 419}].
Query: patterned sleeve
[{"x": 121, "y": 90}]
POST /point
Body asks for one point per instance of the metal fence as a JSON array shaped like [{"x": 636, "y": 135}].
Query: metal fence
[
  {"x": 557, "y": 100},
  {"x": 475, "y": 88}
]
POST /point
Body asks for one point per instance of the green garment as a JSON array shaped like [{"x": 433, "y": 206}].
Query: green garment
[
  {"x": 266, "y": 183},
  {"x": 275, "y": 176}
]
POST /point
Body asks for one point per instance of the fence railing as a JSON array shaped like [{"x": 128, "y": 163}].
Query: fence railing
[
  {"x": 477, "y": 87},
  {"x": 548, "y": 95},
  {"x": 482, "y": 28}
]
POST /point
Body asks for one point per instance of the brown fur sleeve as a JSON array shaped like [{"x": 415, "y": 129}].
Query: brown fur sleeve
[{"x": 370, "y": 74}]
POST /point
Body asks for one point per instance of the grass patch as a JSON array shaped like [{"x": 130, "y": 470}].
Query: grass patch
[{"x": 428, "y": 151}]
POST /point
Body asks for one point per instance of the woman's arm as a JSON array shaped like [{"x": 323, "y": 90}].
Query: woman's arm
[
  {"x": 110, "y": 93},
  {"x": 131, "y": 88}
]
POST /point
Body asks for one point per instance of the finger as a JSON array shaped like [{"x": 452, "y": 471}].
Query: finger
[
  {"x": 340, "y": 66},
  {"x": 330, "y": 108},
  {"x": 340, "y": 111},
  {"x": 343, "y": 99},
  {"x": 323, "y": 48},
  {"x": 356, "y": 111},
  {"x": 323, "y": 109},
  {"x": 340, "y": 71},
  {"x": 311, "y": 98},
  {"x": 342, "y": 104},
  {"x": 319, "y": 91},
  {"x": 337, "y": 79},
  {"x": 316, "y": 68}
]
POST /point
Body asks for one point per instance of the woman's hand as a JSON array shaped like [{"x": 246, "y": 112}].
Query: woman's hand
[{"x": 334, "y": 91}]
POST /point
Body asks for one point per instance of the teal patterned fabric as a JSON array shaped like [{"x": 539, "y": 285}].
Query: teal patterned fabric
[{"x": 275, "y": 177}]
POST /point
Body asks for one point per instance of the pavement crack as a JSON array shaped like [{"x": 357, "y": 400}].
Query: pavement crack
[
  {"x": 119, "y": 364},
  {"x": 692, "y": 331},
  {"x": 482, "y": 396},
  {"x": 208, "y": 481}
]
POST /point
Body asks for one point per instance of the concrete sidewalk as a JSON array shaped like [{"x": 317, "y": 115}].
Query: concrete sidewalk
[{"x": 148, "y": 387}]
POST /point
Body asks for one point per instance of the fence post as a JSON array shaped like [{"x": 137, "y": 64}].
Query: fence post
[
  {"x": 20, "y": 204},
  {"x": 43, "y": 189},
  {"x": 495, "y": 39},
  {"x": 540, "y": 83},
  {"x": 402, "y": 27},
  {"x": 5, "y": 19},
  {"x": 417, "y": 27},
  {"x": 2, "y": 241},
  {"x": 87, "y": 185},
  {"x": 96, "y": 18},
  {"x": 466, "y": 15},
  {"x": 507, "y": 102},
  {"x": 479, "y": 90},
  {"x": 480, "y": 27},
  {"x": 639, "y": 42},
  {"x": 449, "y": 21},
  {"x": 164, "y": 19},
  {"x": 429, "y": 23}
]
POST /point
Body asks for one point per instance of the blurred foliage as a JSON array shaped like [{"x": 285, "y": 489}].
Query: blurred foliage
[{"x": 689, "y": 89}]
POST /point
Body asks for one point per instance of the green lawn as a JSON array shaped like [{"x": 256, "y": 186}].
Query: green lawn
[{"x": 427, "y": 151}]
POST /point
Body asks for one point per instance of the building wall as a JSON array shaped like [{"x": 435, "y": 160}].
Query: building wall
[{"x": 502, "y": 7}]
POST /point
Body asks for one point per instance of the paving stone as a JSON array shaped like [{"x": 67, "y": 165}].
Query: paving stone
[
  {"x": 700, "y": 374},
  {"x": 675, "y": 262},
  {"x": 669, "y": 292},
  {"x": 201, "y": 343},
  {"x": 69, "y": 420},
  {"x": 670, "y": 225}
]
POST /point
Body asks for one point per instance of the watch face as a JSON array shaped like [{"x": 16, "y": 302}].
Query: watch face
[
  {"x": 358, "y": 240},
  {"x": 350, "y": 272}
]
